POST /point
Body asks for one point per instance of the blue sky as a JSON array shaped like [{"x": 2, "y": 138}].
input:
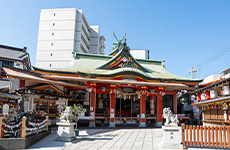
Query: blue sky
[{"x": 182, "y": 32}]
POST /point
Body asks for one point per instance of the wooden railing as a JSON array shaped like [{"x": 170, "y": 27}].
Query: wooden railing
[{"x": 199, "y": 136}]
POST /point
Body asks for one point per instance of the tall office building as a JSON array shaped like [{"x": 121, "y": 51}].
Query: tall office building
[{"x": 62, "y": 31}]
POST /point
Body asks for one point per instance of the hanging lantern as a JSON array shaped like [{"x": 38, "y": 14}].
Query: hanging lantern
[
  {"x": 213, "y": 94},
  {"x": 129, "y": 96},
  {"x": 225, "y": 90},
  {"x": 207, "y": 94},
  {"x": 202, "y": 96},
  {"x": 124, "y": 97},
  {"x": 198, "y": 97}
]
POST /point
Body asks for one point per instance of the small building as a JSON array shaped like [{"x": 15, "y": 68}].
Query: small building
[
  {"x": 140, "y": 53},
  {"x": 115, "y": 89},
  {"x": 16, "y": 58},
  {"x": 213, "y": 99}
]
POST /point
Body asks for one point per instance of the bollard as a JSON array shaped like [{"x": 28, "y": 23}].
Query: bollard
[
  {"x": 47, "y": 123},
  {"x": 1, "y": 118},
  {"x": 23, "y": 127}
]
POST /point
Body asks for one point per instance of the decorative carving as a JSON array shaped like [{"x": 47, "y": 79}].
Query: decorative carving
[
  {"x": 118, "y": 44},
  {"x": 65, "y": 115},
  {"x": 170, "y": 117}
]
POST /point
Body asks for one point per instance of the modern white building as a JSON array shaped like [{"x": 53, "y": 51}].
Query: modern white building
[
  {"x": 62, "y": 31},
  {"x": 140, "y": 53}
]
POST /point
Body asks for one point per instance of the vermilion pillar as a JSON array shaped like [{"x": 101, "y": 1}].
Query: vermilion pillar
[
  {"x": 142, "y": 110},
  {"x": 112, "y": 109},
  {"x": 159, "y": 111},
  {"x": 22, "y": 83},
  {"x": 152, "y": 104},
  {"x": 92, "y": 107},
  {"x": 175, "y": 103}
]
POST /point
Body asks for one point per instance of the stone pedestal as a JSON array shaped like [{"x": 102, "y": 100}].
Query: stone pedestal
[
  {"x": 92, "y": 124},
  {"x": 158, "y": 124},
  {"x": 112, "y": 125},
  {"x": 172, "y": 138},
  {"x": 142, "y": 124},
  {"x": 65, "y": 131}
]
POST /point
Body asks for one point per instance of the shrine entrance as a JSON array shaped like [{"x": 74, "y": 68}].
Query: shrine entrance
[
  {"x": 127, "y": 107},
  {"x": 127, "y": 110}
]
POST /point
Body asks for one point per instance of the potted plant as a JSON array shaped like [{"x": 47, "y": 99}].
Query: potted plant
[
  {"x": 76, "y": 132},
  {"x": 77, "y": 110}
]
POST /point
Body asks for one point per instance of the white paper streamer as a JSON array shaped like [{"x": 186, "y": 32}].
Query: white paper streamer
[{"x": 11, "y": 127}]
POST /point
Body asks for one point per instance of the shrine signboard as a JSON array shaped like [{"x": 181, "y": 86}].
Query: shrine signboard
[{"x": 5, "y": 109}]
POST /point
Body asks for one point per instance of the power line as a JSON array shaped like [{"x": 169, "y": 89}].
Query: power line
[
  {"x": 210, "y": 59},
  {"x": 215, "y": 56}
]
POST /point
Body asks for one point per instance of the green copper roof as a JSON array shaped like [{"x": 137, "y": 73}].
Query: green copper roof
[
  {"x": 121, "y": 59},
  {"x": 122, "y": 64},
  {"x": 88, "y": 65}
]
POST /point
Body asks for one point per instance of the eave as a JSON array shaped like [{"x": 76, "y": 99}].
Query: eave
[
  {"x": 26, "y": 75},
  {"x": 221, "y": 82},
  {"x": 219, "y": 99},
  {"x": 115, "y": 75}
]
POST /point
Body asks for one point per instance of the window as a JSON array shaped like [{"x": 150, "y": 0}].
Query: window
[
  {"x": 5, "y": 64},
  {"x": 54, "y": 14},
  {"x": 51, "y": 54},
  {"x": 52, "y": 34},
  {"x": 53, "y": 24},
  {"x": 50, "y": 65},
  {"x": 52, "y": 44}
]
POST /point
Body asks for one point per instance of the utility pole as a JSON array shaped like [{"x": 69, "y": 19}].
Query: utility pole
[{"x": 193, "y": 71}]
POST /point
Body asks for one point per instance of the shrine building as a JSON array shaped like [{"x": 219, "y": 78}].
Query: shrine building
[{"x": 115, "y": 89}]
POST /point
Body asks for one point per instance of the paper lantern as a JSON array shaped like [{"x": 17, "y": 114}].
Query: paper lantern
[
  {"x": 213, "y": 94},
  {"x": 225, "y": 90},
  {"x": 207, "y": 94},
  {"x": 198, "y": 97},
  {"x": 202, "y": 96}
]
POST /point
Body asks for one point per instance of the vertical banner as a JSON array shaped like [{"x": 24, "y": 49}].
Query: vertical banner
[{"x": 30, "y": 104}]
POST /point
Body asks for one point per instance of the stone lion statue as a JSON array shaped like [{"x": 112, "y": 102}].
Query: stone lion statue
[
  {"x": 65, "y": 115},
  {"x": 170, "y": 117}
]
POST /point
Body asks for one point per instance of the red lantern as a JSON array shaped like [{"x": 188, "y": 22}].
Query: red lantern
[
  {"x": 207, "y": 94},
  {"x": 198, "y": 98}
]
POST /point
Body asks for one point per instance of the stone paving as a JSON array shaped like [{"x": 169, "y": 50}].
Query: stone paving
[{"x": 107, "y": 139}]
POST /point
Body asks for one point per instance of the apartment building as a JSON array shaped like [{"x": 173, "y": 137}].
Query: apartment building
[{"x": 62, "y": 31}]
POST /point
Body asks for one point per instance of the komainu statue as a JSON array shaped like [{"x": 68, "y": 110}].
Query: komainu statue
[
  {"x": 170, "y": 117},
  {"x": 65, "y": 115}
]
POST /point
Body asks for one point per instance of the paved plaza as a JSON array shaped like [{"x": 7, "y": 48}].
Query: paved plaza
[{"x": 106, "y": 139}]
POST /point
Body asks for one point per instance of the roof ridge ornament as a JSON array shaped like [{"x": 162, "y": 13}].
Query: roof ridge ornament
[
  {"x": 122, "y": 57},
  {"x": 118, "y": 46}
]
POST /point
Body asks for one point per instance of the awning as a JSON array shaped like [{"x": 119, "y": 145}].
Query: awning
[{"x": 2, "y": 94}]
